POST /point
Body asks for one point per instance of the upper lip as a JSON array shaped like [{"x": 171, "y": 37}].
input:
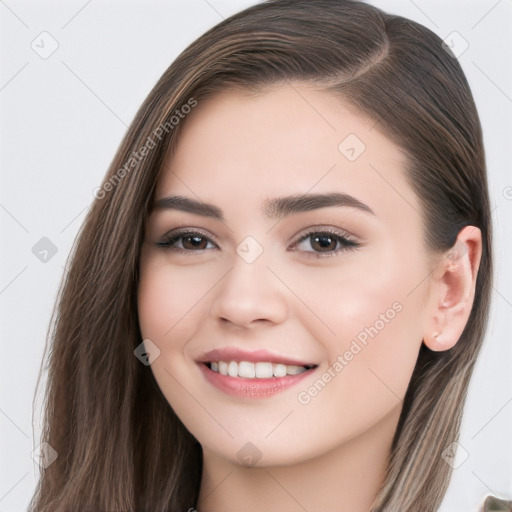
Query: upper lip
[{"x": 256, "y": 356}]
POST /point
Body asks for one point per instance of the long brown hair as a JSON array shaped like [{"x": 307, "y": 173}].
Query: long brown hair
[{"x": 120, "y": 445}]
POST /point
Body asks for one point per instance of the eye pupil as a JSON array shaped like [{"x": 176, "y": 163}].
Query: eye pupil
[
  {"x": 195, "y": 241},
  {"x": 324, "y": 241}
]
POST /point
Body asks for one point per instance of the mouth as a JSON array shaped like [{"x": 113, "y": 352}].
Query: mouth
[
  {"x": 258, "y": 370},
  {"x": 252, "y": 374}
]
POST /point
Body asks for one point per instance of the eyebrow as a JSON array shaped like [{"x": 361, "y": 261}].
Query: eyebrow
[{"x": 278, "y": 207}]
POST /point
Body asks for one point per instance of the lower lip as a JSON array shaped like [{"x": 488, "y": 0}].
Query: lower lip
[{"x": 240, "y": 387}]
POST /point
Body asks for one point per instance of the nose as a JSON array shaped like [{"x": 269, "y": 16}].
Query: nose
[{"x": 250, "y": 295}]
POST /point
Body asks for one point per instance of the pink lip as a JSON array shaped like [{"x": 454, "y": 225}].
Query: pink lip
[
  {"x": 235, "y": 354},
  {"x": 251, "y": 388}
]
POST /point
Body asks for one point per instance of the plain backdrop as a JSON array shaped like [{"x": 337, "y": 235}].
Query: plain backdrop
[{"x": 73, "y": 75}]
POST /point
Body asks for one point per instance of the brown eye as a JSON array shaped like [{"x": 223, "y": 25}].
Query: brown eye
[
  {"x": 324, "y": 243},
  {"x": 192, "y": 242},
  {"x": 188, "y": 241}
]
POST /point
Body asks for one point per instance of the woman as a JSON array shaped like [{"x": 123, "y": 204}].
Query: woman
[{"x": 294, "y": 240}]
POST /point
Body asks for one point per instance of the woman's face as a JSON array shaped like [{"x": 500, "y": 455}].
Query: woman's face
[{"x": 308, "y": 249}]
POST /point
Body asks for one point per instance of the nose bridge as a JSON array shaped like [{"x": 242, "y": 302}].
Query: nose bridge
[
  {"x": 250, "y": 291},
  {"x": 250, "y": 264}
]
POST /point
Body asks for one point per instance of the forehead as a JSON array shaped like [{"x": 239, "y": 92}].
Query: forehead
[{"x": 287, "y": 140}]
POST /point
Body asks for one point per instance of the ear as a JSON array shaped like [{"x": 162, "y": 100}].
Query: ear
[{"x": 452, "y": 290}]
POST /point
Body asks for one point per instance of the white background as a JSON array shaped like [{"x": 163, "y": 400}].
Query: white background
[{"x": 62, "y": 119}]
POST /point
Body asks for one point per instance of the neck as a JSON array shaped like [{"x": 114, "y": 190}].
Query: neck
[{"x": 345, "y": 479}]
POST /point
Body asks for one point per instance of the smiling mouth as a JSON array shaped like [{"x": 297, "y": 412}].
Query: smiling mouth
[{"x": 259, "y": 370}]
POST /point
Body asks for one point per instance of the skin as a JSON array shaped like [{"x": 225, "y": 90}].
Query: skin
[{"x": 236, "y": 150}]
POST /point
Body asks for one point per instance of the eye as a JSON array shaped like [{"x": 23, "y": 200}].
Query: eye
[
  {"x": 325, "y": 243},
  {"x": 186, "y": 241},
  {"x": 318, "y": 244}
]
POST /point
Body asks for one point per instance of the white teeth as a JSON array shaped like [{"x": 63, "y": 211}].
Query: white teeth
[
  {"x": 233, "y": 369},
  {"x": 223, "y": 367},
  {"x": 263, "y": 370},
  {"x": 294, "y": 370},
  {"x": 279, "y": 370},
  {"x": 246, "y": 370},
  {"x": 249, "y": 370}
]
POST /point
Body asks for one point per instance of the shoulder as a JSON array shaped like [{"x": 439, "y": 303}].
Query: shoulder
[{"x": 493, "y": 504}]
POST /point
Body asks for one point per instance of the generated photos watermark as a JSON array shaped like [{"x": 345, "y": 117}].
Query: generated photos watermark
[
  {"x": 304, "y": 397},
  {"x": 145, "y": 149}
]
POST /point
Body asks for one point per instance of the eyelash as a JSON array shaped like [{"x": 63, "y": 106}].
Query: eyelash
[{"x": 346, "y": 242}]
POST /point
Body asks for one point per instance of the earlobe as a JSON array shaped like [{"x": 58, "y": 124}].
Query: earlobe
[{"x": 453, "y": 290}]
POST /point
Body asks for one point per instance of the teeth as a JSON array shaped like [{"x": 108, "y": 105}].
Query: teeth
[
  {"x": 249, "y": 370},
  {"x": 279, "y": 370},
  {"x": 233, "y": 369},
  {"x": 263, "y": 370},
  {"x": 245, "y": 370},
  {"x": 294, "y": 370},
  {"x": 223, "y": 367}
]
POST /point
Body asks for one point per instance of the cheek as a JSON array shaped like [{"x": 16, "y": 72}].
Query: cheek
[
  {"x": 171, "y": 306},
  {"x": 359, "y": 298},
  {"x": 369, "y": 321},
  {"x": 171, "y": 302}
]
